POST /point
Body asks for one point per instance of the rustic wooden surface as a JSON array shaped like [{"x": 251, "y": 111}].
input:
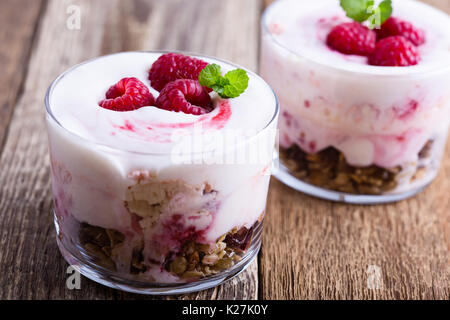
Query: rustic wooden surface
[{"x": 312, "y": 249}]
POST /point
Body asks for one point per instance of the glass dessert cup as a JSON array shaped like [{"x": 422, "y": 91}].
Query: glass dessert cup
[
  {"x": 161, "y": 222},
  {"x": 354, "y": 133}
]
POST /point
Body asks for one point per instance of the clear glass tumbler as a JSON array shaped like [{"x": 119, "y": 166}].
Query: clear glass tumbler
[
  {"x": 159, "y": 222},
  {"x": 353, "y": 132}
]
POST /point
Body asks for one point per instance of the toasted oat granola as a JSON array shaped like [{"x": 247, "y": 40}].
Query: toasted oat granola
[
  {"x": 328, "y": 169},
  {"x": 195, "y": 260},
  {"x": 100, "y": 242}
]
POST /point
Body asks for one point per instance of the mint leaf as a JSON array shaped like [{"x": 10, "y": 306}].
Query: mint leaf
[
  {"x": 219, "y": 89},
  {"x": 222, "y": 82},
  {"x": 238, "y": 82},
  {"x": 231, "y": 91},
  {"x": 232, "y": 85},
  {"x": 362, "y": 10},
  {"x": 357, "y": 9},
  {"x": 380, "y": 14},
  {"x": 385, "y": 10},
  {"x": 209, "y": 75}
]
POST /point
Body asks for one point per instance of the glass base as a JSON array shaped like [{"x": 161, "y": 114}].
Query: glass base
[
  {"x": 282, "y": 173},
  {"x": 74, "y": 256}
]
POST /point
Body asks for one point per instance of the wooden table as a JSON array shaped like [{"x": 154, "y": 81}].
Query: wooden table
[{"x": 312, "y": 249}]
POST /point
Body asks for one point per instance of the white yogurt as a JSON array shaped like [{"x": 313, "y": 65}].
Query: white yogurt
[
  {"x": 302, "y": 27},
  {"x": 74, "y": 103}
]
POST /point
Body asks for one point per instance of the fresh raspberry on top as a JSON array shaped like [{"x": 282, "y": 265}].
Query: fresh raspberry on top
[
  {"x": 395, "y": 52},
  {"x": 126, "y": 95},
  {"x": 397, "y": 27},
  {"x": 352, "y": 38},
  {"x": 173, "y": 66},
  {"x": 185, "y": 95}
]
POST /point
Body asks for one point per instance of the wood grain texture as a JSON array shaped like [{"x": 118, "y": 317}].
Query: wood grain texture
[
  {"x": 30, "y": 264},
  {"x": 312, "y": 249},
  {"x": 16, "y": 35},
  {"x": 323, "y": 250}
]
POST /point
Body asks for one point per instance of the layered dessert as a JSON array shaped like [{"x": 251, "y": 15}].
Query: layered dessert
[
  {"x": 364, "y": 107},
  {"x": 143, "y": 190}
]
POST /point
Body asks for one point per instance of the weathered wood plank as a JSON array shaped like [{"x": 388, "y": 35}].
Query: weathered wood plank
[
  {"x": 18, "y": 21},
  {"x": 30, "y": 264},
  {"x": 313, "y": 249},
  {"x": 324, "y": 250}
]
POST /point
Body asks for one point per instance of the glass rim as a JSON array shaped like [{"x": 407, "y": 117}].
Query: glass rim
[
  {"x": 373, "y": 71},
  {"x": 110, "y": 148}
]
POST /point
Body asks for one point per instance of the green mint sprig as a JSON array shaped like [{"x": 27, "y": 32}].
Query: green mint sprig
[
  {"x": 232, "y": 85},
  {"x": 362, "y": 10}
]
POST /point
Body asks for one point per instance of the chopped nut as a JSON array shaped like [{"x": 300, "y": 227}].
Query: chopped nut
[
  {"x": 224, "y": 263},
  {"x": 100, "y": 242},
  {"x": 421, "y": 172},
  {"x": 210, "y": 259},
  {"x": 178, "y": 265},
  {"x": 205, "y": 248},
  {"x": 221, "y": 254},
  {"x": 102, "y": 258},
  {"x": 192, "y": 274},
  {"x": 426, "y": 150},
  {"x": 136, "y": 262},
  {"x": 195, "y": 260},
  {"x": 220, "y": 246},
  {"x": 328, "y": 169},
  {"x": 115, "y": 237}
]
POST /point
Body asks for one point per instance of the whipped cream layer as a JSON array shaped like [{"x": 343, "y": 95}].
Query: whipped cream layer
[
  {"x": 374, "y": 115},
  {"x": 74, "y": 103}
]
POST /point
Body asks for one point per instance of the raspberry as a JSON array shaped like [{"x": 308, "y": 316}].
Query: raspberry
[
  {"x": 397, "y": 27},
  {"x": 185, "y": 95},
  {"x": 126, "y": 95},
  {"x": 352, "y": 38},
  {"x": 173, "y": 66},
  {"x": 395, "y": 52}
]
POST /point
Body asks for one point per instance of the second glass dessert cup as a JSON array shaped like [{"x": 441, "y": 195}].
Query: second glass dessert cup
[
  {"x": 354, "y": 133},
  {"x": 159, "y": 223}
]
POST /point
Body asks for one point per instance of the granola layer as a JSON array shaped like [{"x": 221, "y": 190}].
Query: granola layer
[
  {"x": 329, "y": 169},
  {"x": 195, "y": 260}
]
